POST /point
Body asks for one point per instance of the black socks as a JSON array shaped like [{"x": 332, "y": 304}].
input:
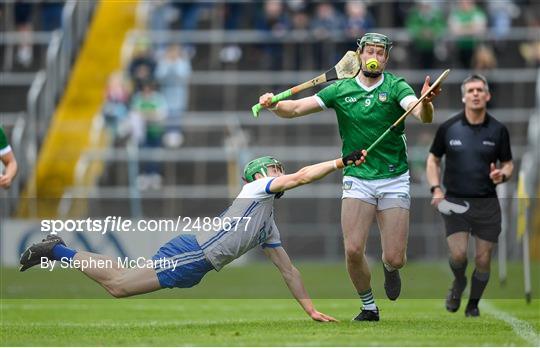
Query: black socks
[
  {"x": 459, "y": 271},
  {"x": 479, "y": 281}
]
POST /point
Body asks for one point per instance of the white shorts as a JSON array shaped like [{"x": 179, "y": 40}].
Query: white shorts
[{"x": 383, "y": 193}]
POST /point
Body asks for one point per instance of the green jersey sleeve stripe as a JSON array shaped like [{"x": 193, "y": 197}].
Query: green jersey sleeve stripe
[{"x": 320, "y": 101}]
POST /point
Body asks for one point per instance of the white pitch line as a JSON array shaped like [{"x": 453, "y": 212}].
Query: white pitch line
[{"x": 522, "y": 328}]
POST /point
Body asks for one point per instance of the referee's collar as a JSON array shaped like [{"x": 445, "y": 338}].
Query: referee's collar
[{"x": 466, "y": 122}]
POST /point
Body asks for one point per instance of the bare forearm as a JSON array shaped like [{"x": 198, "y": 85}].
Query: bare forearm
[
  {"x": 315, "y": 172},
  {"x": 320, "y": 170},
  {"x": 10, "y": 164},
  {"x": 507, "y": 169},
  {"x": 290, "y": 108},
  {"x": 433, "y": 173},
  {"x": 297, "y": 289},
  {"x": 426, "y": 112},
  {"x": 286, "y": 109},
  {"x": 11, "y": 169}
]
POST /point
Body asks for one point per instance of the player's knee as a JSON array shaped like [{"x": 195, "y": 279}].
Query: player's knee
[
  {"x": 459, "y": 257},
  {"x": 482, "y": 261},
  {"x": 354, "y": 253},
  {"x": 396, "y": 261}
]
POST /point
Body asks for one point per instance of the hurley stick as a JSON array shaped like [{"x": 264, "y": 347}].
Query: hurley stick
[
  {"x": 347, "y": 67},
  {"x": 435, "y": 85}
]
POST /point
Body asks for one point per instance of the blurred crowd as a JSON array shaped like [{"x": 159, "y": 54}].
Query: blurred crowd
[
  {"x": 440, "y": 32},
  {"x": 145, "y": 103},
  {"x": 25, "y": 17},
  {"x": 450, "y": 32}
]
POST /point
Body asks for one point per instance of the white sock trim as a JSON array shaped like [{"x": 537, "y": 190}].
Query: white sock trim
[
  {"x": 370, "y": 307},
  {"x": 388, "y": 267}
]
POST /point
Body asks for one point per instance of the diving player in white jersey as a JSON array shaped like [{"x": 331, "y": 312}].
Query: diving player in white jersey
[{"x": 183, "y": 261}]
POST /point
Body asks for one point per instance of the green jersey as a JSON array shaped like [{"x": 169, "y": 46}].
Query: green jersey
[
  {"x": 459, "y": 19},
  {"x": 4, "y": 146},
  {"x": 363, "y": 114}
]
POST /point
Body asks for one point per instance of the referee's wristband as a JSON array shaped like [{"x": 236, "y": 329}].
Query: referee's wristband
[{"x": 433, "y": 188}]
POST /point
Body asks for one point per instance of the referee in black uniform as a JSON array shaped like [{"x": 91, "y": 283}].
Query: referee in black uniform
[{"x": 473, "y": 142}]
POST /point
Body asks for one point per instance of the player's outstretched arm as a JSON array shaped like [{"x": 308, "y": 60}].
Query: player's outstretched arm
[
  {"x": 315, "y": 172},
  {"x": 290, "y": 108},
  {"x": 424, "y": 111},
  {"x": 294, "y": 282},
  {"x": 11, "y": 169}
]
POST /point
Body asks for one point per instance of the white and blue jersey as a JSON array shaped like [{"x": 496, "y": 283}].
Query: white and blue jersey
[{"x": 251, "y": 217}]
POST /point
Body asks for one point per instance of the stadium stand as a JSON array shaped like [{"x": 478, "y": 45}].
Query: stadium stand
[
  {"x": 27, "y": 29},
  {"x": 231, "y": 68},
  {"x": 75, "y": 111}
]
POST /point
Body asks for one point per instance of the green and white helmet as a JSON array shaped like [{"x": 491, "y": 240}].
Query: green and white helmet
[
  {"x": 375, "y": 39},
  {"x": 260, "y": 165}
]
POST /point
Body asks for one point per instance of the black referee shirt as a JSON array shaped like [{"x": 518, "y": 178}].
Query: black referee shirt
[{"x": 469, "y": 150}]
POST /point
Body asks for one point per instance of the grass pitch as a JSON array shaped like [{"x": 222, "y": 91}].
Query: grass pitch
[
  {"x": 255, "y": 323},
  {"x": 263, "y": 321}
]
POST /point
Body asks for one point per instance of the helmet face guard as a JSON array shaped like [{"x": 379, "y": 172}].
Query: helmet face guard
[
  {"x": 260, "y": 165},
  {"x": 375, "y": 39}
]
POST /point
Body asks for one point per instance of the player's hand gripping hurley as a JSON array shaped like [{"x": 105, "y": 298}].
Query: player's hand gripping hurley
[
  {"x": 432, "y": 88},
  {"x": 347, "y": 67}
]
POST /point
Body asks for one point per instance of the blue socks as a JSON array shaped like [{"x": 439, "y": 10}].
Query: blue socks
[{"x": 62, "y": 252}]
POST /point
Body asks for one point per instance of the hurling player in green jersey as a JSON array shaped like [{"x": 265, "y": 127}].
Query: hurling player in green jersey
[
  {"x": 365, "y": 107},
  {"x": 8, "y": 159}
]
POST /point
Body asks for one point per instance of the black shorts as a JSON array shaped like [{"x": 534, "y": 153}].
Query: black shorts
[{"x": 479, "y": 216}]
